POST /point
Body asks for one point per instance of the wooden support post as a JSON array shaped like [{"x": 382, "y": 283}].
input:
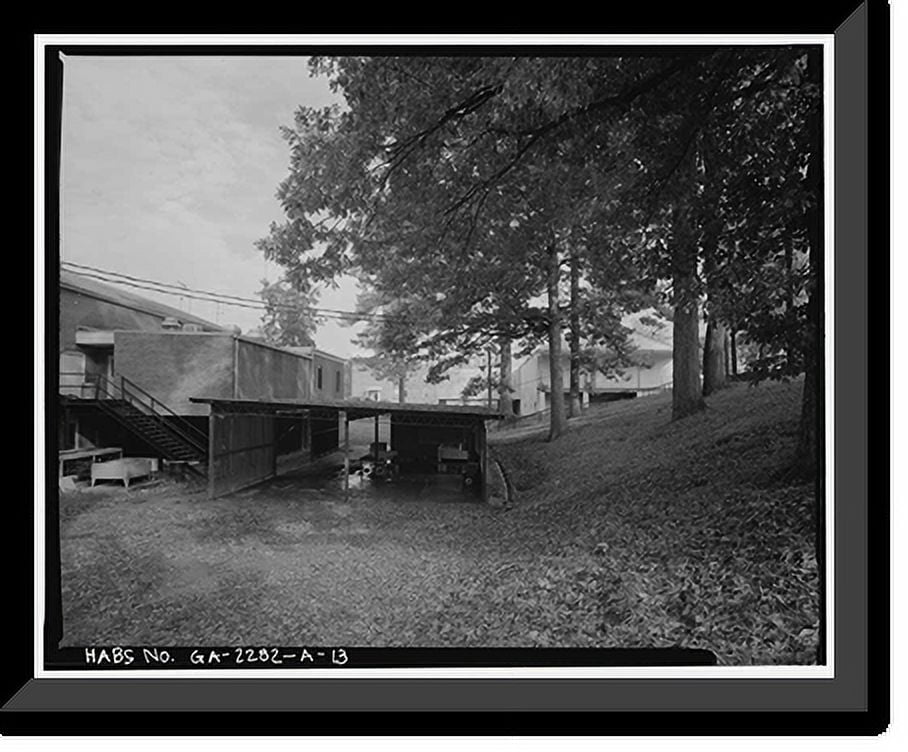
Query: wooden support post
[
  {"x": 484, "y": 461},
  {"x": 376, "y": 432},
  {"x": 211, "y": 465},
  {"x": 272, "y": 424},
  {"x": 346, "y": 455}
]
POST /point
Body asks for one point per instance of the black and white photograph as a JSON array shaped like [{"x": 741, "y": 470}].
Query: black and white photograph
[
  {"x": 447, "y": 348},
  {"x": 435, "y": 382}
]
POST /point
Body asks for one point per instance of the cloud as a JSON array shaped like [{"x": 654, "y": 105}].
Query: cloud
[{"x": 170, "y": 167}]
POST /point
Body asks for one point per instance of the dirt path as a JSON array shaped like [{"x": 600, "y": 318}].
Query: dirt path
[{"x": 288, "y": 562}]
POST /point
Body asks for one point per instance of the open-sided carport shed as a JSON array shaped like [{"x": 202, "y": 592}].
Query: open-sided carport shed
[{"x": 242, "y": 441}]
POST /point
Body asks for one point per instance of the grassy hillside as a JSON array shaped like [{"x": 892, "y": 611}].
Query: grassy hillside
[{"x": 674, "y": 533}]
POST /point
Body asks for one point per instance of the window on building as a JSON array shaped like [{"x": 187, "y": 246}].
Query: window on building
[
  {"x": 337, "y": 382},
  {"x": 318, "y": 378}
]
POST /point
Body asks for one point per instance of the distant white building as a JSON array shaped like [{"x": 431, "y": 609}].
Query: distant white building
[
  {"x": 650, "y": 371},
  {"x": 365, "y": 385}
]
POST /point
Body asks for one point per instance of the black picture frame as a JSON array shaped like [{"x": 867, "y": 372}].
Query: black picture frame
[{"x": 856, "y": 701}]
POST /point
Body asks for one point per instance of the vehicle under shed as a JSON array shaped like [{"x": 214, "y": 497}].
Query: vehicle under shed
[{"x": 424, "y": 439}]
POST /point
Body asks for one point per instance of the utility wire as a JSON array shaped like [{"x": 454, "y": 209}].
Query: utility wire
[
  {"x": 215, "y": 297},
  {"x": 211, "y": 297},
  {"x": 259, "y": 306},
  {"x": 179, "y": 288}
]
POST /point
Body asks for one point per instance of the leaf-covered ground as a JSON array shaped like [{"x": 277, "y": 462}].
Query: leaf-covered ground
[{"x": 628, "y": 531}]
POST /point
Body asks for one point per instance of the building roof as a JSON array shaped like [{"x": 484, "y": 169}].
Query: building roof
[
  {"x": 643, "y": 344},
  {"x": 314, "y": 351},
  {"x": 354, "y": 408},
  {"x": 92, "y": 288},
  {"x": 83, "y": 285}
]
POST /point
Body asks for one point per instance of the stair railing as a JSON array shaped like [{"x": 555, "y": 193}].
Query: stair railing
[
  {"x": 77, "y": 384},
  {"x": 99, "y": 387},
  {"x": 133, "y": 394},
  {"x": 198, "y": 437}
]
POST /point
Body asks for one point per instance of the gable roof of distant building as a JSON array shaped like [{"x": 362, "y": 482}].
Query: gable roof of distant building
[{"x": 92, "y": 288}]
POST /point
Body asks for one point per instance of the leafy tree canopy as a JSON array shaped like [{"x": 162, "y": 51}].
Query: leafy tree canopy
[{"x": 288, "y": 319}]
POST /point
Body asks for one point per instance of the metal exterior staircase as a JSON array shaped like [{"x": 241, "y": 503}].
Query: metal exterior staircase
[
  {"x": 163, "y": 437},
  {"x": 174, "y": 437}
]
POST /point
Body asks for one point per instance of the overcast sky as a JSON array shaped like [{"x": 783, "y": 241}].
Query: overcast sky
[{"x": 170, "y": 167}]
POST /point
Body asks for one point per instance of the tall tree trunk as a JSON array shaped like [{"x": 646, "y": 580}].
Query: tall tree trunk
[
  {"x": 686, "y": 395},
  {"x": 401, "y": 389},
  {"x": 791, "y": 349},
  {"x": 505, "y": 400},
  {"x": 574, "y": 405},
  {"x": 714, "y": 347},
  {"x": 809, "y": 455},
  {"x": 726, "y": 354},
  {"x": 808, "y": 446},
  {"x": 557, "y": 421},
  {"x": 714, "y": 366},
  {"x": 733, "y": 349},
  {"x": 489, "y": 378}
]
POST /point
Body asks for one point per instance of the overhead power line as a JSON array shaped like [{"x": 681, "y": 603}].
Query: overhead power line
[
  {"x": 179, "y": 288},
  {"x": 142, "y": 283}
]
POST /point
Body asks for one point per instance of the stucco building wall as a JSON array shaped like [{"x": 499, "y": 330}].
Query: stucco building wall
[
  {"x": 174, "y": 366},
  {"x": 268, "y": 373}
]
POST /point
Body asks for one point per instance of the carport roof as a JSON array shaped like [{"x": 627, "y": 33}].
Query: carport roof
[{"x": 354, "y": 408}]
